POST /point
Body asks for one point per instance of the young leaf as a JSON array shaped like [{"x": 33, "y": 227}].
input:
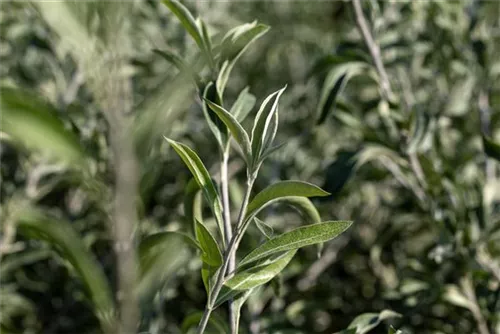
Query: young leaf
[
  {"x": 254, "y": 277},
  {"x": 160, "y": 256},
  {"x": 261, "y": 124},
  {"x": 365, "y": 322},
  {"x": 200, "y": 173},
  {"x": 264, "y": 228},
  {"x": 280, "y": 190},
  {"x": 211, "y": 253},
  {"x": 190, "y": 25},
  {"x": 297, "y": 238},
  {"x": 235, "y": 128},
  {"x": 59, "y": 234},
  {"x": 238, "y": 39},
  {"x": 222, "y": 78},
  {"x": 33, "y": 121},
  {"x": 243, "y": 105}
]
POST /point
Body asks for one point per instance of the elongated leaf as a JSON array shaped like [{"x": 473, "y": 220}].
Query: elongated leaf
[
  {"x": 238, "y": 39},
  {"x": 211, "y": 252},
  {"x": 32, "y": 121},
  {"x": 491, "y": 148},
  {"x": 243, "y": 105},
  {"x": 192, "y": 204},
  {"x": 283, "y": 189},
  {"x": 418, "y": 131},
  {"x": 214, "y": 123},
  {"x": 235, "y": 128},
  {"x": 59, "y": 234},
  {"x": 160, "y": 256},
  {"x": 189, "y": 23},
  {"x": 335, "y": 82},
  {"x": 265, "y": 229},
  {"x": 297, "y": 238},
  {"x": 254, "y": 277},
  {"x": 365, "y": 322},
  {"x": 222, "y": 78},
  {"x": 200, "y": 173},
  {"x": 261, "y": 124}
]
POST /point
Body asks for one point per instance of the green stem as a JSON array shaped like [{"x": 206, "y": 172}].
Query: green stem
[{"x": 230, "y": 250}]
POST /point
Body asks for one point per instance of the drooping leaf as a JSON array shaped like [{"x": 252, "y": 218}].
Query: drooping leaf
[
  {"x": 189, "y": 23},
  {"x": 160, "y": 256},
  {"x": 365, "y": 322},
  {"x": 238, "y": 304},
  {"x": 32, "y": 121},
  {"x": 234, "y": 127},
  {"x": 335, "y": 82},
  {"x": 200, "y": 173},
  {"x": 265, "y": 229},
  {"x": 254, "y": 277},
  {"x": 283, "y": 189},
  {"x": 297, "y": 238},
  {"x": 243, "y": 105},
  {"x": 59, "y": 234},
  {"x": 491, "y": 148},
  {"x": 262, "y": 121}
]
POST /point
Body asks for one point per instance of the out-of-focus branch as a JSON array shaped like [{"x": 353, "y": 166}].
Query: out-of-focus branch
[
  {"x": 468, "y": 289},
  {"x": 373, "y": 48},
  {"x": 484, "y": 114}
]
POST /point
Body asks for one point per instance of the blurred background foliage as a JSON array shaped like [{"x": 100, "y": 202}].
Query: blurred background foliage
[{"x": 410, "y": 169}]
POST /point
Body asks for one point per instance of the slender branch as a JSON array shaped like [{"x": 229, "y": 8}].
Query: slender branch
[
  {"x": 228, "y": 230},
  {"x": 373, "y": 48},
  {"x": 468, "y": 289},
  {"x": 230, "y": 250}
]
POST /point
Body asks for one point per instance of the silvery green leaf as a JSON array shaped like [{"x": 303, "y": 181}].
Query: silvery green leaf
[
  {"x": 243, "y": 105},
  {"x": 283, "y": 189},
  {"x": 262, "y": 124},
  {"x": 297, "y": 238},
  {"x": 239, "y": 134},
  {"x": 210, "y": 250},
  {"x": 200, "y": 173},
  {"x": 214, "y": 123},
  {"x": 254, "y": 277}
]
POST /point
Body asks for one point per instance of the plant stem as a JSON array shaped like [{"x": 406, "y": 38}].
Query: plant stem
[
  {"x": 373, "y": 48},
  {"x": 229, "y": 252},
  {"x": 228, "y": 230}
]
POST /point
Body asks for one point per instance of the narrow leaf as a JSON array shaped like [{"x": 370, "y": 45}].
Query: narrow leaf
[
  {"x": 238, "y": 39},
  {"x": 200, "y": 173},
  {"x": 365, "y": 322},
  {"x": 211, "y": 252},
  {"x": 243, "y": 105},
  {"x": 262, "y": 121},
  {"x": 189, "y": 23},
  {"x": 218, "y": 130},
  {"x": 254, "y": 277},
  {"x": 234, "y": 127},
  {"x": 297, "y": 238},
  {"x": 283, "y": 189}
]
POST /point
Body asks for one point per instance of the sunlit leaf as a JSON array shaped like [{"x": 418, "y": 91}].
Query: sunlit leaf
[
  {"x": 254, "y": 277},
  {"x": 365, "y": 322},
  {"x": 297, "y": 238},
  {"x": 243, "y": 105},
  {"x": 265, "y": 229},
  {"x": 234, "y": 127},
  {"x": 283, "y": 189},
  {"x": 200, "y": 173}
]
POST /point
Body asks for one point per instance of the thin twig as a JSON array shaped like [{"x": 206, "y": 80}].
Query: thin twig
[
  {"x": 373, "y": 48},
  {"x": 468, "y": 289}
]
